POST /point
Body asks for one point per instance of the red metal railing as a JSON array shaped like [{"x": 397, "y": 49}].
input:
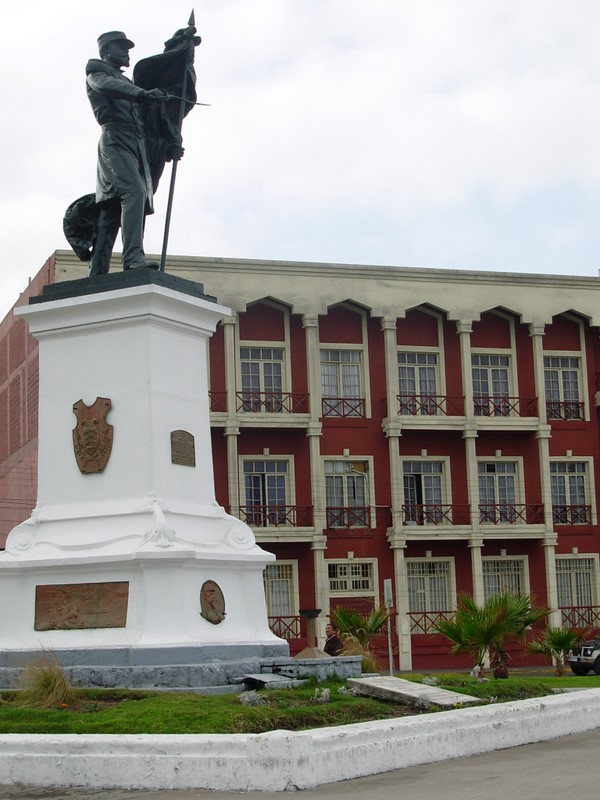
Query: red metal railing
[
  {"x": 510, "y": 513},
  {"x": 348, "y": 517},
  {"x": 343, "y": 406},
  {"x": 580, "y": 616},
  {"x": 423, "y": 621},
  {"x": 487, "y": 406},
  {"x": 287, "y": 627},
  {"x": 430, "y": 405},
  {"x": 217, "y": 401},
  {"x": 271, "y": 402},
  {"x": 432, "y": 514},
  {"x": 564, "y": 409},
  {"x": 270, "y": 516},
  {"x": 572, "y": 515}
]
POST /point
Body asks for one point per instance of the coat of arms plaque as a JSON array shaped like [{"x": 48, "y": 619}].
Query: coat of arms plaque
[{"x": 92, "y": 436}]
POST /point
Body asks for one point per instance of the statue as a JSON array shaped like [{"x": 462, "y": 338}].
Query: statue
[{"x": 141, "y": 131}]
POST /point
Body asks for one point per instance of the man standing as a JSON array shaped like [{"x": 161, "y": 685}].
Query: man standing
[
  {"x": 124, "y": 186},
  {"x": 333, "y": 644}
]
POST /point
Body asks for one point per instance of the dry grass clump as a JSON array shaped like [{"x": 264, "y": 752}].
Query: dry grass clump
[
  {"x": 44, "y": 683},
  {"x": 352, "y": 647}
]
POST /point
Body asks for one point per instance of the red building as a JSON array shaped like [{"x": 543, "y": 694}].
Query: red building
[{"x": 438, "y": 428}]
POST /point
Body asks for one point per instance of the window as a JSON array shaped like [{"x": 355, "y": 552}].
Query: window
[
  {"x": 262, "y": 378},
  {"x": 265, "y": 487},
  {"x": 576, "y": 583},
  {"x": 503, "y": 576},
  {"x": 428, "y": 585},
  {"x": 561, "y": 381},
  {"x": 341, "y": 383},
  {"x": 350, "y": 577},
  {"x": 491, "y": 384},
  {"x": 280, "y": 593},
  {"x": 497, "y": 491},
  {"x": 418, "y": 381},
  {"x": 422, "y": 492},
  {"x": 568, "y": 486},
  {"x": 346, "y": 494}
]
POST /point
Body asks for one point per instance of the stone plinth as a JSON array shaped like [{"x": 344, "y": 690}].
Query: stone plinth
[{"x": 118, "y": 557}]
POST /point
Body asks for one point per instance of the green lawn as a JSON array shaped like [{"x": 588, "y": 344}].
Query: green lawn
[{"x": 121, "y": 711}]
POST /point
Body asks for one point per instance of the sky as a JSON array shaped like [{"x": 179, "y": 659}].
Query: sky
[{"x": 460, "y": 134}]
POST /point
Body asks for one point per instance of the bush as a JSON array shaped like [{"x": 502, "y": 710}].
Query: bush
[{"x": 44, "y": 683}]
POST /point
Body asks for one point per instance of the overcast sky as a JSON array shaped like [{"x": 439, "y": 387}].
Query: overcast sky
[{"x": 438, "y": 133}]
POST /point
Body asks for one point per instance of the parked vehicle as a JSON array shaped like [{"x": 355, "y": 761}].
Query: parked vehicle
[{"x": 585, "y": 657}]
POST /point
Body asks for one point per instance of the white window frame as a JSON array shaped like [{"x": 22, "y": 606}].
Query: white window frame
[
  {"x": 363, "y": 346},
  {"x": 370, "y": 482},
  {"x": 290, "y": 484},
  {"x": 374, "y": 592},
  {"x": 595, "y": 577},
  {"x": 524, "y": 571},
  {"x": 519, "y": 478},
  {"x": 294, "y": 589},
  {"x": 446, "y": 481},
  {"x": 451, "y": 585},
  {"x": 581, "y": 379},
  {"x": 590, "y": 489},
  {"x": 440, "y": 378}
]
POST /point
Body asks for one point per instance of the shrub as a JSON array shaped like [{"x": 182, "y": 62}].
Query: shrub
[{"x": 44, "y": 683}]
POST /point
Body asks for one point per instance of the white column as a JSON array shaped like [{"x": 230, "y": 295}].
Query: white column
[
  {"x": 313, "y": 362},
  {"x": 476, "y": 546},
  {"x": 554, "y": 618},
  {"x": 321, "y": 587},
  {"x": 469, "y": 436},
  {"x": 464, "y": 328},
  {"x": 395, "y": 480},
  {"x": 314, "y": 430},
  {"x": 536, "y": 331},
  {"x": 402, "y": 608},
  {"x": 388, "y": 326}
]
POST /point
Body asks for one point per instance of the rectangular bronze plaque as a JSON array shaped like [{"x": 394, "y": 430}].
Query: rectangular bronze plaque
[
  {"x": 70, "y": 606},
  {"x": 183, "y": 449}
]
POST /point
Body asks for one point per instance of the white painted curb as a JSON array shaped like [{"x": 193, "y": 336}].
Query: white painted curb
[{"x": 284, "y": 760}]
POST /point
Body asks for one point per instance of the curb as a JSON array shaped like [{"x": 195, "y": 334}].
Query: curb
[{"x": 285, "y": 760}]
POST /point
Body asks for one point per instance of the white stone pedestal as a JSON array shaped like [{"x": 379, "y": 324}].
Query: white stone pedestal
[{"x": 143, "y": 521}]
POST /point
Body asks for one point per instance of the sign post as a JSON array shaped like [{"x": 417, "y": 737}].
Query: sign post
[{"x": 388, "y": 599}]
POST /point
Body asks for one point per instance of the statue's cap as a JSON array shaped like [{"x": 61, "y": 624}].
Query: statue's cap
[{"x": 113, "y": 36}]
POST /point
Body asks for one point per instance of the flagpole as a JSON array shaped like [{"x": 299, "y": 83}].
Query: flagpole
[{"x": 163, "y": 255}]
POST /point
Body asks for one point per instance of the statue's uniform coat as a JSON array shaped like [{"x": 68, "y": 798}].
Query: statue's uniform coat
[{"x": 122, "y": 161}]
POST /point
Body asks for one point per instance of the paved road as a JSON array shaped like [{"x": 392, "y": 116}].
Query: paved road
[{"x": 555, "y": 770}]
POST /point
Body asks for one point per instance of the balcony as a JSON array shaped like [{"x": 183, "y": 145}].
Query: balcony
[
  {"x": 292, "y": 627},
  {"x": 485, "y": 406},
  {"x": 580, "y": 616},
  {"x": 572, "y": 515},
  {"x": 433, "y": 514},
  {"x": 430, "y": 405},
  {"x": 423, "y": 621},
  {"x": 271, "y": 402},
  {"x": 348, "y": 517},
  {"x": 564, "y": 409},
  {"x": 273, "y": 516},
  {"x": 510, "y": 514},
  {"x": 343, "y": 407}
]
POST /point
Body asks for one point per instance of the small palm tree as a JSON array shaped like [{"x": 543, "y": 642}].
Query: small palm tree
[
  {"x": 556, "y": 642},
  {"x": 482, "y": 631},
  {"x": 358, "y": 630}
]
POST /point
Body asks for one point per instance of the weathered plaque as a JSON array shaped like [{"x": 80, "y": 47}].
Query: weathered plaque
[
  {"x": 92, "y": 436},
  {"x": 212, "y": 602},
  {"x": 183, "y": 449},
  {"x": 70, "y": 606}
]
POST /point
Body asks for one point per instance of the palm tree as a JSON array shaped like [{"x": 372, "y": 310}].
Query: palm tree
[
  {"x": 358, "y": 630},
  {"x": 556, "y": 642},
  {"x": 483, "y": 630}
]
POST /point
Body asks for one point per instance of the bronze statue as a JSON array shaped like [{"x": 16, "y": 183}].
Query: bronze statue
[{"x": 141, "y": 130}]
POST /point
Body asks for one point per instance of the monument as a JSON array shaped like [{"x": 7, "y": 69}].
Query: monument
[{"x": 128, "y": 569}]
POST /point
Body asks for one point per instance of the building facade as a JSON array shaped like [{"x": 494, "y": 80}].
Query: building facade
[{"x": 436, "y": 428}]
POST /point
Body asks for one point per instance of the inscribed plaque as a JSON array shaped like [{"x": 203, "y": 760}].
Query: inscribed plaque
[
  {"x": 183, "y": 449},
  {"x": 70, "y": 606}
]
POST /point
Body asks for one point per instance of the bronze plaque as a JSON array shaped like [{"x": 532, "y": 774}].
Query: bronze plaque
[
  {"x": 70, "y": 606},
  {"x": 92, "y": 436},
  {"x": 183, "y": 449},
  {"x": 212, "y": 602}
]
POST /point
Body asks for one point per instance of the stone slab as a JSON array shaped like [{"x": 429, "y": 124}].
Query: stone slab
[{"x": 386, "y": 687}]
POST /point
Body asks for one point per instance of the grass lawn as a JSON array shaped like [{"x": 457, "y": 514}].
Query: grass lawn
[{"x": 123, "y": 711}]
